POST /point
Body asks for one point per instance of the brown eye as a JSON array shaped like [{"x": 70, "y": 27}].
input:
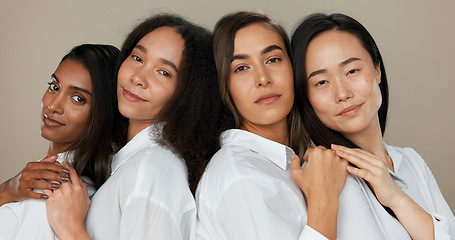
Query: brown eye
[
  {"x": 78, "y": 99},
  {"x": 241, "y": 68},
  {"x": 53, "y": 87},
  {"x": 136, "y": 58}
]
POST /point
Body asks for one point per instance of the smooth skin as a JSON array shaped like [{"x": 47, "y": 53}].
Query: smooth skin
[
  {"x": 261, "y": 86},
  {"x": 65, "y": 111},
  {"x": 344, "y": 92},
  {"x": 146, "y": 81}
]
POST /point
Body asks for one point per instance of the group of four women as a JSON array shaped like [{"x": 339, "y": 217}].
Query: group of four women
[{"x": 188, "y": 135}]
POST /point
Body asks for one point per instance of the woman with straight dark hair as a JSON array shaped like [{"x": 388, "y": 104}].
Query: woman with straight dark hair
[
  {"x": 341, "y": 82},
  {"x": 77, "y": 119},
  {"x": 247, "y": 190},
  {"x": 171, "y": 114}
]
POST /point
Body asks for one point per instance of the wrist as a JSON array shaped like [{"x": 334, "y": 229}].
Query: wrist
[
  {"x": 77, "y": 232},
  {"x": 322, "y": 216},
  {"x": 5, "y": 195}
]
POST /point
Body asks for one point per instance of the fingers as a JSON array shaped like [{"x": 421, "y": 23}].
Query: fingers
[
  {"x": 72, "y": 175},
  {"x": 357, "y": 157},
  {"x": 295, "y": 163},
  {"x": 50, "y": 159},
  {"x": 44, "y": 170}
]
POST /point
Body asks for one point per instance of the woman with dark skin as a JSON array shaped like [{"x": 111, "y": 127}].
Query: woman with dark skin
[
  {"x": 77, "y": 119},
  {"x": 167, "y": 95}
]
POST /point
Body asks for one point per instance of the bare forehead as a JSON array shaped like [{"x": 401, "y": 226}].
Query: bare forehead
[
  {"x": 73, "y": 73},
  {"x": 257, "y": 35}
]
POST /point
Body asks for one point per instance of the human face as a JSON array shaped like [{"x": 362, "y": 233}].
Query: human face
[
  {"x": 148, "y": 77},
  {"x": 343, "y": 83},
  {"x": 261, "y": 77},
  {"x": 66, "y": 103}
]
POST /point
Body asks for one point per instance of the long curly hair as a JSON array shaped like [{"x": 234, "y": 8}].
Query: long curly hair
[{"x": 194, "y": 117}]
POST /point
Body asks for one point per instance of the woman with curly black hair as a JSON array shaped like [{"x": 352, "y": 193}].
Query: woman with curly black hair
[{"x": 171, "y": 113}]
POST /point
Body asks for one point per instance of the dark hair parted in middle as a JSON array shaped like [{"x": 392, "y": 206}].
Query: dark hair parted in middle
[
  {"x": 93, "y": 149},
  {"x": 193, "y": 118},
  {"x": 223, "y": 49},
  {"x": 309, "y": 28}
]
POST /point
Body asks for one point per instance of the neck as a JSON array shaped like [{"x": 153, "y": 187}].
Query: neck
[
  {"x": 370, "y": 140},
  {"x": 136, "y": 126},
  {"x": 277, "y": 132},
  {"x": 56, "y": 148}
]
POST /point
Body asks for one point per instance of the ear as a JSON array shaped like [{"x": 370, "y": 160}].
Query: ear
[{"x": 378, "y": 73}]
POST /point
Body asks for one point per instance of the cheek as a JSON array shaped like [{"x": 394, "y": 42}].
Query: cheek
[
  {"x": 237, "y": 93},
  {"x": 320, "y": 103}
]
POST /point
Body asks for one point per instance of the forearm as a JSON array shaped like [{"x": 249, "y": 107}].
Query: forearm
[
  {"x": 322, "y": 217},
  {"x": 417, "y": 222}
]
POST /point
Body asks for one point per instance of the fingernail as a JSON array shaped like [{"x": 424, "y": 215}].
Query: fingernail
[
  {"x": 55, "y": 185},
  {"x": 334, "y": 146},
  {"x": 65, "y": 170},
  {"x": 339, "y": 152},
  {"x": 44, "y": 196},
  {"x": 64, "y": 179}
]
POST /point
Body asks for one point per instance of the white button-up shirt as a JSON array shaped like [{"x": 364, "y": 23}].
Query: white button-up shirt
[
  {"x": 361, "y": 216},
  {"x": 146, "y": 197},
  {"x": 247, "y": 192},
  {"x": 27, "y": 219}
]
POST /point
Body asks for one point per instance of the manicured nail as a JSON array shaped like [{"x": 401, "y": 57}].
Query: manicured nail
[
  {"x": 44, "y": 196},
  {"x": 334, "y": 146},
  {"x": 64, "y": 179},
  {"x": 65, "y": 170},
  {"x": 55, "y": 185}
]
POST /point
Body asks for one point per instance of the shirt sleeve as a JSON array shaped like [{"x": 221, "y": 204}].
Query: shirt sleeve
[
  {"x": 443, "y": 219},
  {"x": 253, "y": 208}
]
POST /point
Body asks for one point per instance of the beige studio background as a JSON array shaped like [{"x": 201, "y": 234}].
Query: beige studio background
[{"x": 416, "y": 38}]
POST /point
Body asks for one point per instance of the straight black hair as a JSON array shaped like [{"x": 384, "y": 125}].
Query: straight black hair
[
  {"x": 308, "y": 29},
  {"x": 93, "y": 149}
]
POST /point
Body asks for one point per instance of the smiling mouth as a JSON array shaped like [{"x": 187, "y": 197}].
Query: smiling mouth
[
  {"x": 131, "y": 96},
  {"x": 267, "y": 98},
  {"x": 50, "y": 122},
  {"x": 350, "y": 111}
]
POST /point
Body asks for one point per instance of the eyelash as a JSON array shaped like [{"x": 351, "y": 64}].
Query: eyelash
[
  {"x": 241, "y": 68},
  {"x": 51, "y": 85},
  {"x": 352, "y": 71},
  {"x": 320, "y": 83},
  {"x": 136, "y": 58},
  {"x": 274, "y": 60},
  {"x": 165, "y": 73},
  {"x": 77, "y": 96}
]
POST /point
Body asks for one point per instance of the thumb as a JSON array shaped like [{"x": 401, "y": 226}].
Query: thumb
[{"x": 295, "y": 163}]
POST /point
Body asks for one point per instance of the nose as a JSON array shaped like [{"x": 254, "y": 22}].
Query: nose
[
  {"x": 342, "y": 90},
  {"x": 56, "y": 104},
  {"x": 139, "y": 78},
  {"x": 262, "y": 77}
]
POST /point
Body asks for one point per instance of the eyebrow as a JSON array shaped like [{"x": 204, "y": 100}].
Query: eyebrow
[
  {"x": 342, "y": 64},
  {"x": 263, "y": 51},
  {"x": 165, "y": 61},
  {"x": 72, "y": 87}
]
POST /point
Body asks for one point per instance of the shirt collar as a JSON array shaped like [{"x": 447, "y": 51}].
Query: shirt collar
[
  {"x": 275, "y": 152},
  {"x": 143, "y": 139},
  {"x": 396, "y": 156}
]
